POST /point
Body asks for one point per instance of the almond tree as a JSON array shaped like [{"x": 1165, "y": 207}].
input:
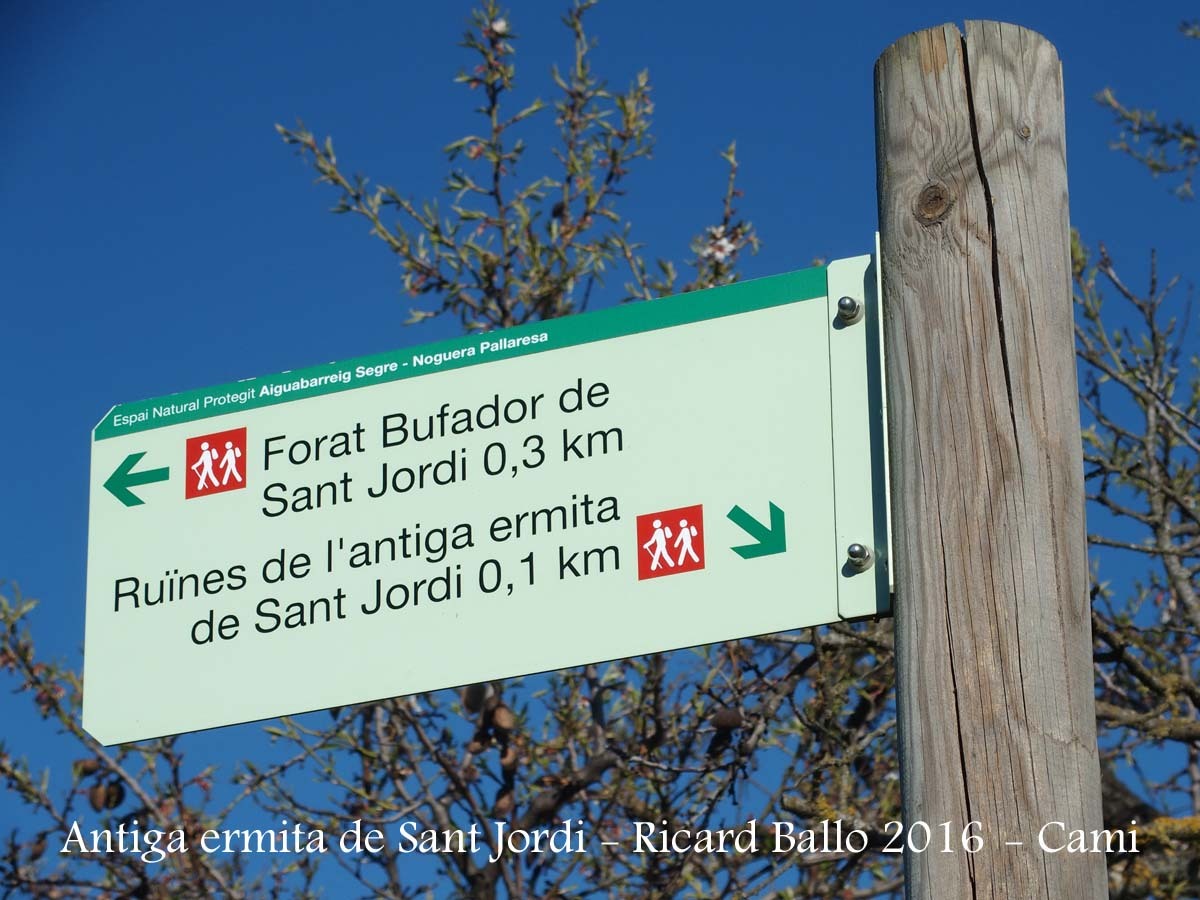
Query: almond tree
[
  {"x": 1140, "y": 389},
  {"x": 1164, "y": 147}
]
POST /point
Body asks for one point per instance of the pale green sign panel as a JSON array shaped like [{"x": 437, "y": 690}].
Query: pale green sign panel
[{"x": 654, "y": 476}]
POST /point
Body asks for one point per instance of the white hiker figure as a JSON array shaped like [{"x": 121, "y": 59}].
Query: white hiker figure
[
  {"x": 686, "y": 533},
  {"x": 229, "y": 462},
  {"x": 204, "y": 466},
  {"x": 659, "y": 542}
]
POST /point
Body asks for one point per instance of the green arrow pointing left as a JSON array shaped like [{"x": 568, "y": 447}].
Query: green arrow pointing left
[{"x": 120, "y": 481}]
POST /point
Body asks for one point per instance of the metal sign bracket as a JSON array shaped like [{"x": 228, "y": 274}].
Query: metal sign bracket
[{"x": 859, "y": 413}]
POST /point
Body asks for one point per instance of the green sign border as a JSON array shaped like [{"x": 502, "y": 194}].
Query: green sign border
[{"x": 455, "y": 353}]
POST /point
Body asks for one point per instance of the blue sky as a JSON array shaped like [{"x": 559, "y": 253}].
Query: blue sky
[{"x": 145, "y": 193}]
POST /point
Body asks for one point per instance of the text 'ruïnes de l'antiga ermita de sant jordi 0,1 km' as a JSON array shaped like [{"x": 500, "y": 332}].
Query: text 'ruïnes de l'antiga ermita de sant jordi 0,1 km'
[{"x": 650, "y": 477}]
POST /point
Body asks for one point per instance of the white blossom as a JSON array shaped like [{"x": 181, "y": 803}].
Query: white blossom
[{"x": 720, "y": 249}]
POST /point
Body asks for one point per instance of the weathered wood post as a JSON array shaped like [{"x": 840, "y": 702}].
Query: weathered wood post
[{"x": 993, "y": 633}]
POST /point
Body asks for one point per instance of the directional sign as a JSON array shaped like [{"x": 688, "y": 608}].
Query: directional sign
[
  {"x": 123, "y": 478},
  {"x": 654, "y": 476},
  {"x": 767, "y": 540}
]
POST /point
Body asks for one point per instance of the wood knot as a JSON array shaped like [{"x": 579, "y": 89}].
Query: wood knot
[
  {"x": 933, "y": 203},
  {"x": 1024, "y": 132}
]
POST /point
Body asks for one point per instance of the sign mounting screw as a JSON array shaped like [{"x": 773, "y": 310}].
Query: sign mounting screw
[
  {"x": 849, "y": 310},
  {"x": 859, "y": 557}
]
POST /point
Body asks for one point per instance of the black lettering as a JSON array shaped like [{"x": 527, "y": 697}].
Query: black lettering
[
  {"x": 571, "y": 447},
  {"x": 203, "y": 630},
  {"x": 214, "y": 580},
  {"x": 567, "y": 564},
  {"x": 275, "y": 493},
  {"x": 264, "y": 612},
  {"x": 399, "y": 426},
  {"x": 278, "y": 568},
  {"x": 236, "y": 578},
  {"x": 268, "y": 452},
  {"x": 130, "y": 592}
]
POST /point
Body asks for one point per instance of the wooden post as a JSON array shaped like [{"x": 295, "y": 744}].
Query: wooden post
[{"x": 993, "y": 629}]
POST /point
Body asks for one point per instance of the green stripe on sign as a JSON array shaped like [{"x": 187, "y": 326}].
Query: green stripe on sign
[{"x": 553, "y": 334}]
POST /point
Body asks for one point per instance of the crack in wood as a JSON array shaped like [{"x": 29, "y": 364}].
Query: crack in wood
[
  {"x": 993, "y": 244},
  {"x": 958, "y": 716}
]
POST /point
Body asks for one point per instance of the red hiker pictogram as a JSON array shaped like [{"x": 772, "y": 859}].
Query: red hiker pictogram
[
  {"x": 215, "y": 463},
  {"x": 670, "y": 542}
]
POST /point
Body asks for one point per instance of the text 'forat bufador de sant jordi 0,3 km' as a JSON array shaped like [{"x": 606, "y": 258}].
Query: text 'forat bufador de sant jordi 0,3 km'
[
  {"x": 655, "y": 476},
  {"x": 401, "y": 432}
]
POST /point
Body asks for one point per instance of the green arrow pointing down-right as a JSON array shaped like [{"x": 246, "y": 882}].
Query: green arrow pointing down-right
[{"x": 769, "y": 540}]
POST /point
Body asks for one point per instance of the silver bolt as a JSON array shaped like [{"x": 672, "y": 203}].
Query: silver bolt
[
  {"x": 849, "y": 310},
  {"x": 859, "y": 557}
]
